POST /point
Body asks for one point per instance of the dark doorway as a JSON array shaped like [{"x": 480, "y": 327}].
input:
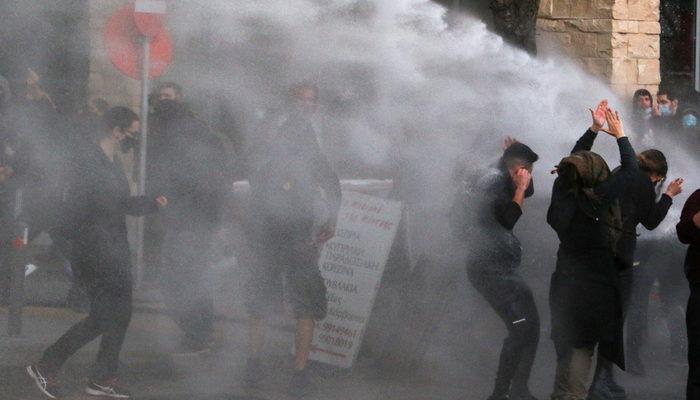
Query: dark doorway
[
  {"x": 52, "y": 38},
  {"x": 677, "y": 19}
]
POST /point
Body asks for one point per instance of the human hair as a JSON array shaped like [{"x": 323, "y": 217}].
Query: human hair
[
  {"x": 100, "y": 104},
  {"x": 170, "y": 85},
  {"x": 118, "y": 117},
  {"x": 666, "y": 91},
  {"x": 653, "y": 162},
  {"x": 641, "y": 93},
  {"x": 518, "y": 154}
]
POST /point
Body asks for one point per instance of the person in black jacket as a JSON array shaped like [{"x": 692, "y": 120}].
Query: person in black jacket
[
  {"x": 585, "y": 289},
  {"x": 101, "y": 202},
  {"x": 294, "y": 201},
  {"x": 688, "y": 231},
  {"x": 187, "y": 164},
  {"x": 638, "y": 205},
  {"x": 493, "y": 264}
]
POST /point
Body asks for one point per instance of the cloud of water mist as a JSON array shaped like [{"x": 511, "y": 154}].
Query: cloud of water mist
[{"x": 389, "y": 71}]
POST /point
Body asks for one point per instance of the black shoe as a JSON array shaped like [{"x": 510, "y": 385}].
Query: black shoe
[
  {"x": 108, "y": 388},
  {"x": 47, "y": 385},
  {"x": 301, "y": 384},
  {"x": 254, "y": 372},
  {"x": 499, "y": 397}
]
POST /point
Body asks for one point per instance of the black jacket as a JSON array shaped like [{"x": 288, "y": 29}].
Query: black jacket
[
  {"x": 290, "y": 179},
  {"x": 100, "y": 202},
  {"x": 638, "y": 205},
  {"x": 689, "y": 233},
  {"x": 187, "y": 164},
  {"x": 585, "y": 299},
  {"x": 491, "y": 214}
]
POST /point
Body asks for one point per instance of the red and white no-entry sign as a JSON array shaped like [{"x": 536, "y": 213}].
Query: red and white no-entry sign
[
  {"x": 125, "y": 31},
  {"x": 149, "y": 16}
]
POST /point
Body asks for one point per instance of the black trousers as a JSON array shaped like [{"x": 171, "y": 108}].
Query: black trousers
[
  {"x": 186, "y": 259},
  {"x": 659, "y": 261},
  {"x": 512, "y": 300},
  {"x": 692, "y": 319},
  {"x": 109, "y": 317}
]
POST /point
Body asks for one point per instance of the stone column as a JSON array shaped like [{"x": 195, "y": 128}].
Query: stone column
[{"x": 616, "y": 40}]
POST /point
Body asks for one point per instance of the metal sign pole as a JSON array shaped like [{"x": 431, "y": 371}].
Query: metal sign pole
[
  {"x": 145, "y": 67},
  {"x": 15, "y": 261}
]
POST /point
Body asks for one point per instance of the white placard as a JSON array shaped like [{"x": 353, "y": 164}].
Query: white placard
[{"x": 352, "y": 265}]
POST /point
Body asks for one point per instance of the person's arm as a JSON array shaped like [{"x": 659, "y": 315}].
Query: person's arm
[
  {"x": 688, "y": 229},
  {"x": 561, "y": 208},
  {"x": 141, "y": 205},
  {"x": 652, "y": 213},
  {"x": 611, "y": 189},
  {"x": 585, "y": 143},
  {"x": 508, "y": 213}
]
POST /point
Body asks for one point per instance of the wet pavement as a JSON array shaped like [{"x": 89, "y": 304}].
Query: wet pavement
[{"x": 460, "y": 369}]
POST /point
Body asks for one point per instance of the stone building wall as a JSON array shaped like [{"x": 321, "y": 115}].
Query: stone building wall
[{"x": 617, "y": 40}]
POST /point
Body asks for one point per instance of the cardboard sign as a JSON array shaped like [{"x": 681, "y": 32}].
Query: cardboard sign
[{"x": 352, "y": 265}]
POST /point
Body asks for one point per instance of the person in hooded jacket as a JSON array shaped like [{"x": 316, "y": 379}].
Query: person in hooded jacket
[
  {"x": 493, "y": 265},
  {"x": 585, "y": 298},
  {"x": 187, "y": 162}
]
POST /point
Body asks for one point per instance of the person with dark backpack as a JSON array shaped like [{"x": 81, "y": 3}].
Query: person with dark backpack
[
  {"x": 484, "y": 217},
  {"x": 584, "y": 298}
]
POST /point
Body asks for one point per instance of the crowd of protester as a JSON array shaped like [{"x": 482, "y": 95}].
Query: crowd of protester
[{"x": 63, "y": 175}]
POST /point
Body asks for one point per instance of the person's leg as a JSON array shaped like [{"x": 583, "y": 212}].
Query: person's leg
[
  {"x": 184, "y": 287},
  {"x": 561, "y": 377},
  {"x": 303, "y": 338},
  {"x": 75, "y": 338},
  {"x": 693, "y": 326},
  {"x": 531, "y": 336},
  {"x": 307, "y": 295},
  {"x": 579, "y": 372},
  {"x": 114, "y": 319},
  {"x": 636, "y": 317},
  {"x": 512, "y": 300}
]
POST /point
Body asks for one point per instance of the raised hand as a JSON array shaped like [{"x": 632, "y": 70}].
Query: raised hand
[
  {"x": 161, "y": 201},
  {"x": 509, "y": 141},
  {"x": 675, "y": 188},
  {"x": 615, "y": 127},
  {"x": 522, "y": 179},
  {"x": 598, "y": 116}
]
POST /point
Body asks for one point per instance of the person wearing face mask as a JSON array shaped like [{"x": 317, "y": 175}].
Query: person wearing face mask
[
  {"x": 490, "y": 209},
  {"x": 643, "y": 116},
  {"x": 665, "y": 110},
  {"x": 687, "y": 127},
  {"x": 101, "y": 201},
  {"x": 638, "y": 205},
  {"x": 187, "y": 162}
]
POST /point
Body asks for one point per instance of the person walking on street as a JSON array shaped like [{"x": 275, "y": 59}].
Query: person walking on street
[{"x": 101, "y": 202}]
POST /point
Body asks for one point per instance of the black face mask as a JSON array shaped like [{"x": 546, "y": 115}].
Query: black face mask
[
  {"x": 167, "y": 107},
  {"x": 128, "y": 143}
]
